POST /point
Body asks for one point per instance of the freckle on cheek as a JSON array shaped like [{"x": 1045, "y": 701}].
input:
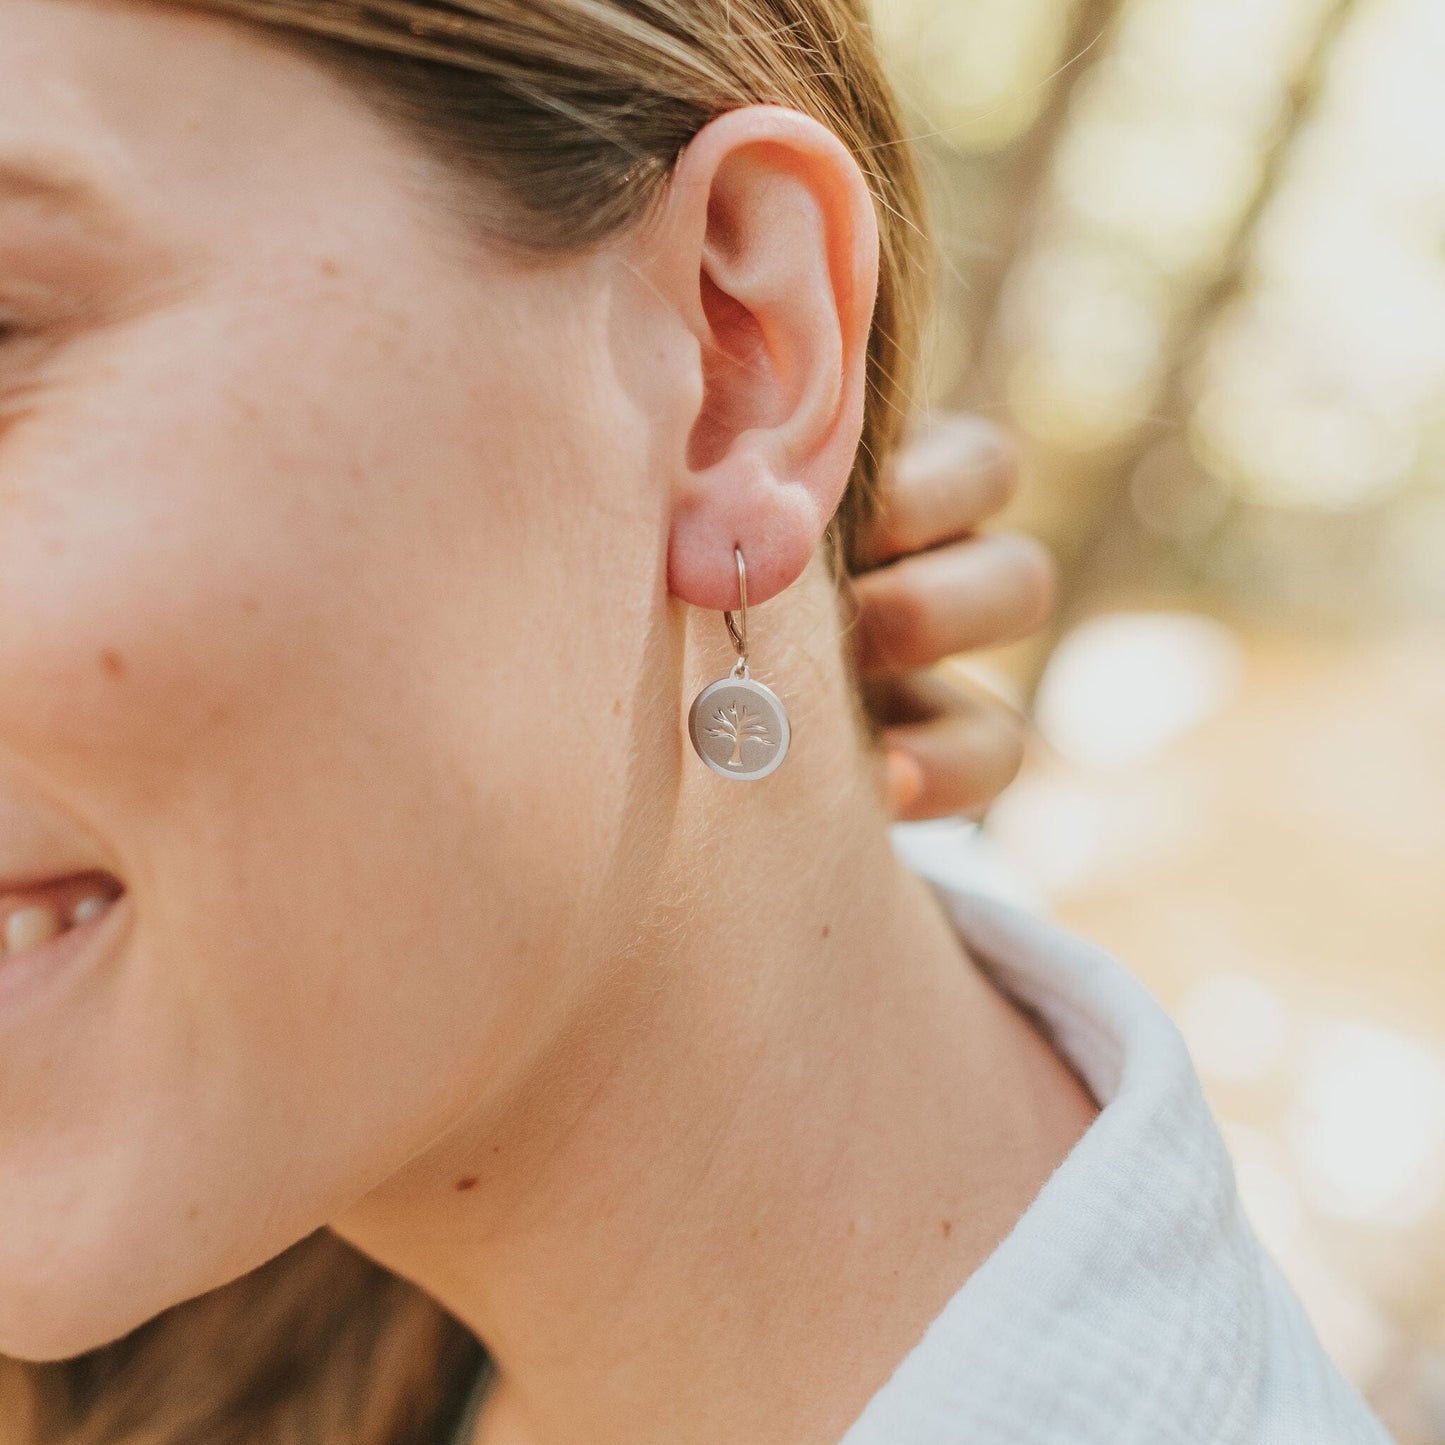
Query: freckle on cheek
[{"x": 113, "y": 663}]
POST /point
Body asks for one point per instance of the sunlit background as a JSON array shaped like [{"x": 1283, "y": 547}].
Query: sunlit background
[{"x": 1195, "y": 257}]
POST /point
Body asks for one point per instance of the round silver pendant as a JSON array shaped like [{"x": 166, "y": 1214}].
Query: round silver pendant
[{"x": 739, "y": 728}]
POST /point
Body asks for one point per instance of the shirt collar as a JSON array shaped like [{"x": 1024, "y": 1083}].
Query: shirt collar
[{"x": 1131, "y": 1302}]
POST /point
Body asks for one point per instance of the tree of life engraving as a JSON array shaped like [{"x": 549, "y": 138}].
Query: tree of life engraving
[{"x": 736, "y": 721}]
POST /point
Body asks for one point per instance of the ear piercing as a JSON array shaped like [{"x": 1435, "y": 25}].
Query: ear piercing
[{"x": 739, "y": 727}]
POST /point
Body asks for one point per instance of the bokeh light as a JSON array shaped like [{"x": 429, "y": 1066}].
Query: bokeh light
[{"x": 1194, "y": 254}]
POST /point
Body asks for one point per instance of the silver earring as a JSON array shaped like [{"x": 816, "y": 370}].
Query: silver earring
[{"x": 738, "y": 726}]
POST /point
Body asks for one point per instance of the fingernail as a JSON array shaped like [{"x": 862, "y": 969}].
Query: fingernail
[{"x": 905, "y": 779}]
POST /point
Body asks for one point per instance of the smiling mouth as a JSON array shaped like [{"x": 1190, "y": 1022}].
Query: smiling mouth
[{"x": 36, "y": 914}]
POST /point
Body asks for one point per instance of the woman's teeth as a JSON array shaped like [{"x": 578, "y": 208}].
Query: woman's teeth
[
  {"x": 30, "y": 927},
  {"x": 34, "y": 924},
  {"x": 88, "y": 907}
]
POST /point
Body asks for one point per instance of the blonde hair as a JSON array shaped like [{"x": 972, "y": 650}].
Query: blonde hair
[{"x": 556, "y": 124}]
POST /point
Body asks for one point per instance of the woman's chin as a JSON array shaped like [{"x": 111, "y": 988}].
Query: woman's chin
[
  {"x": 47, "y": 1341},
  {"x": 48, "y": 1315}
]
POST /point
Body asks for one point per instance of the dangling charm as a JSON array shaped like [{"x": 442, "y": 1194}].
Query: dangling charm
[{"x": 738, "y": 726}]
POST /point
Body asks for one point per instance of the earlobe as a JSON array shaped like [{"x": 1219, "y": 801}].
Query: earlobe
[{"x": 765, "y": 246}]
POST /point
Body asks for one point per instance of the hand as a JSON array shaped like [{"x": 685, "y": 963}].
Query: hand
[{"x": 933, "y": 588}]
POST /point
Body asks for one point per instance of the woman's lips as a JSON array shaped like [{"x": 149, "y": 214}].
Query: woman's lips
[{"x": 36, "y": 917}]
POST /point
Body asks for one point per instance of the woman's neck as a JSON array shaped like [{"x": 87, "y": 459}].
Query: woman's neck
[{"x": 737, "y": 1194}]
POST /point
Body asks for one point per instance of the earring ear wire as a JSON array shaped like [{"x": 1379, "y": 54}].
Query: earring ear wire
[
  {"x": 739, "y": 727},
  {"x": 738, "y": 634}
]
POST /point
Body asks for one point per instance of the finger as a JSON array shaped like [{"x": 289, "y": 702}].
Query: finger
[
  {"x": 944, "y": 485},
  {"x": 960, "y": 761},
  {"x": 946, "y": 750},
  {"x": 903, "y": 780},
  {"x": 919, "y": 696},
  {"x": 979, "y": 593}
]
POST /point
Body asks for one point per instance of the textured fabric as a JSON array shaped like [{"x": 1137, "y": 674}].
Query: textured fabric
[{"x": 1131, "y": 1304}]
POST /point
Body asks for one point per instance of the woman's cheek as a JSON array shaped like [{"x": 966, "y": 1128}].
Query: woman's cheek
[
  {"x": 120, "y": 628},
  {"x": 165, "y": 556}
]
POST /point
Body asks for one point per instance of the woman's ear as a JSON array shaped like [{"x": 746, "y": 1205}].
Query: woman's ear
[{"x": 765, "y": 248}]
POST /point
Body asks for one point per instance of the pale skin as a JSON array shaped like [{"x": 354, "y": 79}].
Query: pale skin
[{"x": 355, "y": 581}]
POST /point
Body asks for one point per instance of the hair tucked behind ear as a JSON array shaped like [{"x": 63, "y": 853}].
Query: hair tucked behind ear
[{"x": 554, "y": 125}]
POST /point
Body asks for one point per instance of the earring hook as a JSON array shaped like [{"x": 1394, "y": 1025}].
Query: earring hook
[{"x": 740, "y": 635}]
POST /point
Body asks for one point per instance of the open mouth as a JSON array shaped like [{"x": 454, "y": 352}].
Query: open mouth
[{"x": 34, "y": 915}]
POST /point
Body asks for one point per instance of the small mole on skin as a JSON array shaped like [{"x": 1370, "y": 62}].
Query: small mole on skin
[
  {"x": 617, "y": 708},
  {"x": 113, "y": 662},
  {"x": 470, "y": 1182},
  {"x": 328, "y": 267},
  {"x": 947, "y": 1228},
  {"x": 827, "y": 929}
]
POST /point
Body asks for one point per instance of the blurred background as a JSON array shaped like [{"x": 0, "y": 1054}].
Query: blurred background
[{"x": 1195, "y": 259}]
